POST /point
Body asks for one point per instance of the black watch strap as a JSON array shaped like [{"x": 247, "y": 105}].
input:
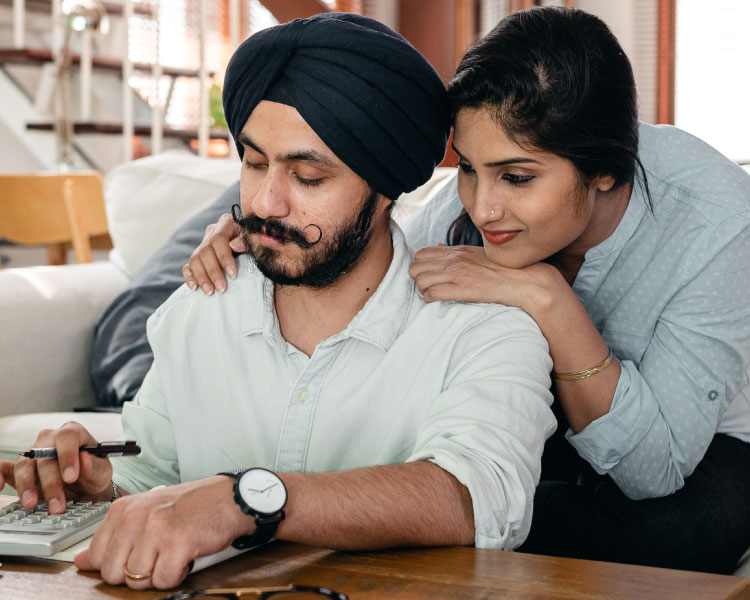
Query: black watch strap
[{"x": 265, "y": 527}]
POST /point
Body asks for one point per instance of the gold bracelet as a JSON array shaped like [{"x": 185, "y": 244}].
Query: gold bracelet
[{"x": 587, "y": 372}]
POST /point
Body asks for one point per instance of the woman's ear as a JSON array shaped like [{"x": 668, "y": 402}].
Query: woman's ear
[{"x": 604, "y": 183}]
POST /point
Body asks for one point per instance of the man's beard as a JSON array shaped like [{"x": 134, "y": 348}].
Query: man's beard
[{"x": 319, "y": 266}]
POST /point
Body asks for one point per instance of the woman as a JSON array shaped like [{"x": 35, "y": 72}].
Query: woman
[{"x": 628, "y": 244}]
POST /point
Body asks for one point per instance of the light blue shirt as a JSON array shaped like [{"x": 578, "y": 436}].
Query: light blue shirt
[
  {"x": 462, "y": 385},
  {"x": 669, "y": 291}
]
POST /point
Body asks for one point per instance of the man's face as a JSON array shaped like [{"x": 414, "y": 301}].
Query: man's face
[{"x": 309, "y": 216}]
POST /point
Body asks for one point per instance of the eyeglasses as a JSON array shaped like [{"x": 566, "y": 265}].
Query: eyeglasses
[{"x": 282, "y": 592}]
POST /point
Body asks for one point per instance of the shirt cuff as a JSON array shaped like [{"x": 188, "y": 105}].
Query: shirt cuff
[
  {"x": 605, "y": 441},
  {"x": 499, "y": 521}
]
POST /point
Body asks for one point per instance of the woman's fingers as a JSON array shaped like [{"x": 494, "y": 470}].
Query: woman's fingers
[
  {"x": 187, "y": 275},
  {"x": 227, "y": 239},
  {"x": 214, "y": 274},
  {"x": 214, "y": 257},
  {"x": 198, "y": 272},
  {"x": 446, "y": 291},
  {"x": 447, "y": 251},
  {"x": 237, "y": 245},
  {"x": 438, "y": 263},
  {"x": 465, "y": 275},
  {"x": 429, "y": 273}
]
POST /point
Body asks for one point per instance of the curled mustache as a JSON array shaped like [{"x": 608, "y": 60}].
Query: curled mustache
[{"x": 254, "y": 224}]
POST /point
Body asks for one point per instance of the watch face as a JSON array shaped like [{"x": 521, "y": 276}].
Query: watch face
[{"x": 263, "y": 491}]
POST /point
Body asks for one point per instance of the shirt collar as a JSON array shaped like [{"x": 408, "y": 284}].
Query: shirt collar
[
  {"x": 379, "y": 322},
  {"x": 637, "y": 206}
]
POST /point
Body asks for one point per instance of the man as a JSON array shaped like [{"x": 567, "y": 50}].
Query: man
[{"x": 372, "y": 419}]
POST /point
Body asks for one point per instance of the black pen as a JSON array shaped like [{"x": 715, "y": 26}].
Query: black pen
[{"x": 102, "y": 449}]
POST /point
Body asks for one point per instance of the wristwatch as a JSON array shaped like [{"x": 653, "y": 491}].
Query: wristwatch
[{"x": 262, "y": 494}]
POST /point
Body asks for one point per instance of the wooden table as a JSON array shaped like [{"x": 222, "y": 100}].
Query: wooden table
[
  {"x": 435, "y": 573},
  {"x": 432, "y": 573}
]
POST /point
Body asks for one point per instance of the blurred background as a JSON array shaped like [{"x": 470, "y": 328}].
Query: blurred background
[{"x": 89, "y": 85}]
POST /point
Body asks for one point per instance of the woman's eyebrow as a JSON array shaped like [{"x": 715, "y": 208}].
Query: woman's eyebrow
[
  {"x": 501, "y": 163},
  {"x": 511, "y": 161}
]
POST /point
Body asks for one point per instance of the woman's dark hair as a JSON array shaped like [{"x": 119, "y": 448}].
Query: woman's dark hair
[{"x": 555, "y": 79}]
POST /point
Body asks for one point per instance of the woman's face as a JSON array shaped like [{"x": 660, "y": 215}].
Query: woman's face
[{"x": 528, "y": 205}]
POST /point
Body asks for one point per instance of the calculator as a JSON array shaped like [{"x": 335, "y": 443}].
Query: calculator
[{"x": 36, "y": 532}]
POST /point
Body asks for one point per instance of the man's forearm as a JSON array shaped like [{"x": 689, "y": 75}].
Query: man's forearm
[{"x": 378, "y": 507}]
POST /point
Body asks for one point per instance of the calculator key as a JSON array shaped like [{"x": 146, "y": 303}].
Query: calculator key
[
  {"x": 51, "y": 520},
  {"x": 30, "y": 520}
]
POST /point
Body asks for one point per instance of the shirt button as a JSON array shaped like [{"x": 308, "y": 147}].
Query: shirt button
[
  {"x": 713, "y": 395},
  {"x": 303, "y": 395}
]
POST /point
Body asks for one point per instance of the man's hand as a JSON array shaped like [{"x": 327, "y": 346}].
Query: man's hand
[
  {"x": 72, "y": 475},
  {"x": 158, "y": 533},
  {"x": 213, "y": 257}
]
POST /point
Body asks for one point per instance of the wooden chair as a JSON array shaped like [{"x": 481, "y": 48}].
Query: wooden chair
[{"x": 58, "y": 210}]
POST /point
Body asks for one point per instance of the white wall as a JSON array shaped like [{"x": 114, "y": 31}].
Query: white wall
[{"x": 712, "y": 75}]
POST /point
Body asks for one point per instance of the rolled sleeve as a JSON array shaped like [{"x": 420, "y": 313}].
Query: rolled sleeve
[
  {"x": 669, "y": 406},
  {"x": 488, "y": 427},
  {"x": 607, "y": 440}
]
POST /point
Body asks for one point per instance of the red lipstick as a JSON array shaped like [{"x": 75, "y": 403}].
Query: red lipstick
[{"x": 499, "y": 237}]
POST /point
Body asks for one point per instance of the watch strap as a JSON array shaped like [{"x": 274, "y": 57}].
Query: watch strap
[
  {"x": 233, "y": 474},
  {"x": 265, "y": 526}
]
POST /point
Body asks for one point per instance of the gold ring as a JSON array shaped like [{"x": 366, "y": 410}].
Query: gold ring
[{"x": 136, "y": 576}]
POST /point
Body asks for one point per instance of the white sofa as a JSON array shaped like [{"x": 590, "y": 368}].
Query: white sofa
[{"x": 47, "y": 314}]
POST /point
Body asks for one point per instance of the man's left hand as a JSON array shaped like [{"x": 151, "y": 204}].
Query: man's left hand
[{"x": 158, "y": 533}]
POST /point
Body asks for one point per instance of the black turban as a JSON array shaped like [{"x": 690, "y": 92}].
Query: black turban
[{"x": 365, "y": 91}]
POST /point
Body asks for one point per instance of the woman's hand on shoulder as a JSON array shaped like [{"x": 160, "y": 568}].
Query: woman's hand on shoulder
[
  {"x": 465, "y": 274},
  {"x": 213, "y": 258}
]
